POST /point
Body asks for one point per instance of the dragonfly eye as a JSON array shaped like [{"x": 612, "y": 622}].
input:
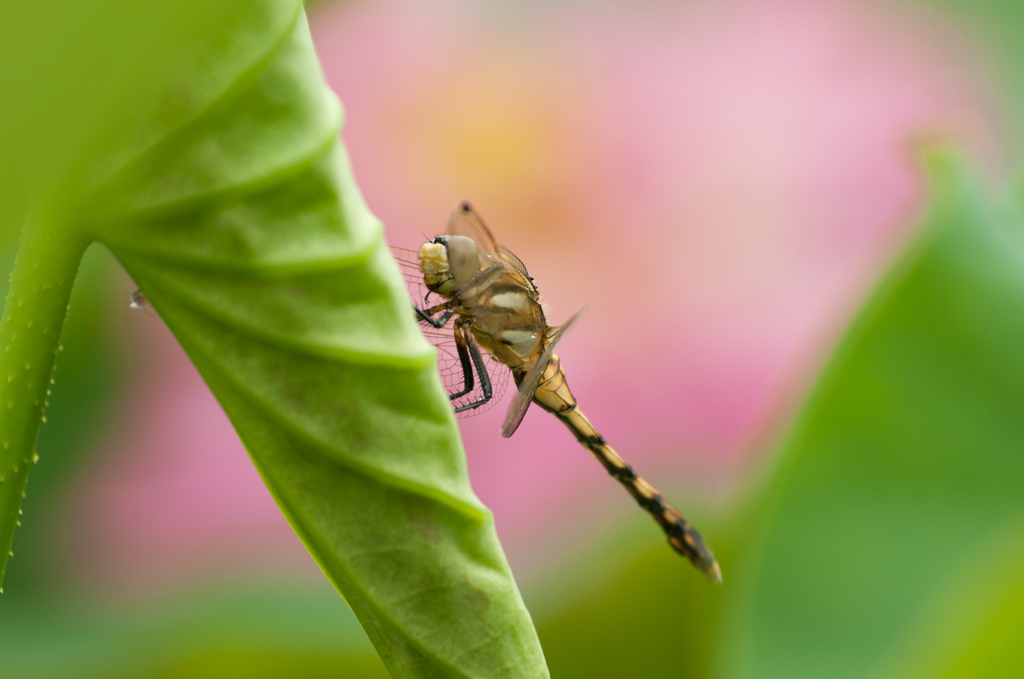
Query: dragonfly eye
[{"x": 463, "y": 258}]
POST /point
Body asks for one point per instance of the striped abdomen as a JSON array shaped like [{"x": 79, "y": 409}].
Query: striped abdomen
[{"x": 553, "y": 395}]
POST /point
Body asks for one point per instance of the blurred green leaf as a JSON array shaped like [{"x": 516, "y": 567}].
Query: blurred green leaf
[
  {"x": 905, "y": 461},
  {"x": 640, "y": 613},
  {"x": 237, "y": 631},
  {"x": 87, "y": 85},
  {"x": 975, "y": 624},
  {"x": 89, "y": 374},
  {"x": 995, "y": 648},
  {"x": 227, "y": 196}
]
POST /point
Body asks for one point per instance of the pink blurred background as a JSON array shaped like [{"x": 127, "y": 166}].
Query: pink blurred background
[{"x": 721, "y": 184}]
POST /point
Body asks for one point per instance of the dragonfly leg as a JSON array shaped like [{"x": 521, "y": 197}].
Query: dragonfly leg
[
  {"x": 481, "y": 370},
  {"x": 427, "y": 315},
  {"x": 467, "y": 368}
]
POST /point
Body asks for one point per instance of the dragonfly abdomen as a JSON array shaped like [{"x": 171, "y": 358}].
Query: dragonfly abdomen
[{"x": 553, "y": 395}]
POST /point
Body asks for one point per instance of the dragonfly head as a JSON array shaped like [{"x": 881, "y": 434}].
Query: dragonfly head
[{"x": 448, "y": 263}]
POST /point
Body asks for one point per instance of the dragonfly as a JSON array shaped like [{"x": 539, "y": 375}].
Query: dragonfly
[{"x": 487, "y": 300}]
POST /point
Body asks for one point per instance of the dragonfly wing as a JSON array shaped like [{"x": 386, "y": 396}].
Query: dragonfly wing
[
  {"x": 513, "y": 261},
  {"x": 510, "y": 260},
  {"x": 409, "y": 264},
  {"x": 528, "y": 385},
  {"x": 464, "y": 221},
  {"x": 448, "y": 363},
  {"x": 481, "y": 282},
  {"x": 449, "y": 367}
]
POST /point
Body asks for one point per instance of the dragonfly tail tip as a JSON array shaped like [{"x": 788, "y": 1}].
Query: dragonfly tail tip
[{"x": 714, "y": 574}]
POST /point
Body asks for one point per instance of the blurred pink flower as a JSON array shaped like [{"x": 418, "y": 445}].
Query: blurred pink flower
[
  {"x": 720, "y": 183},
  {"x": 173, "y": 497}
]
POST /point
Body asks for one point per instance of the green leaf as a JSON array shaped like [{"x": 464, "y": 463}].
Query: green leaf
[
  {"x": 228, "y": 198},
  {"x": 90, "y": 374},
  {"x": 906, "y": 460},
  {"x": 634, "y": 608},
  {"x": 974, "y": 625},
  {"x": 284, "y": 630}
]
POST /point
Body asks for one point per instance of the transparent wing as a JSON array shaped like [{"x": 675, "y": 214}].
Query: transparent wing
[
  {"x": 517, "y": 411},
  {"x": 516, "y": 263},
  {"x": 465, "y": 221},
  {"x": 448, "y": 363}
]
